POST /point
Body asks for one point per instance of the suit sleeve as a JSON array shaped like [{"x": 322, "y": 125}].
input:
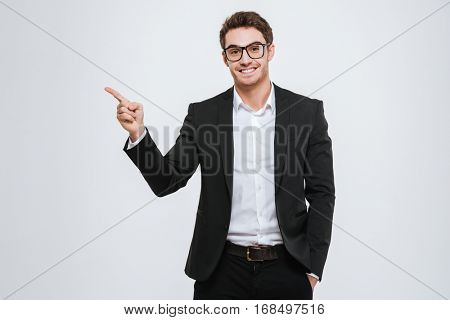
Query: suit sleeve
[
  {"x": 166, "y": 174},
  {"x": 133, "y": 144},
  {"x": 319, "y": 191}
]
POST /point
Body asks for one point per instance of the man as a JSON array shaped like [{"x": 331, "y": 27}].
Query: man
[{"x": 262, "y": 150}]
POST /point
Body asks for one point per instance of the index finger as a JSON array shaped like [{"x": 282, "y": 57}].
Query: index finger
[{"x": 116, "y": 94}]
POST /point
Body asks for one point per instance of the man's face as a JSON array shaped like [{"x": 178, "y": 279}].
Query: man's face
[{"x": 259, "y": 68}]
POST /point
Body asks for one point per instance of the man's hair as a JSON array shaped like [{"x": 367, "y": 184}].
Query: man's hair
[{"x": 246, "y": 19}]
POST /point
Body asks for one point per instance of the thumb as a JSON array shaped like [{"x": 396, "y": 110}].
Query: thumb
[{"x": 134, "y": 105}]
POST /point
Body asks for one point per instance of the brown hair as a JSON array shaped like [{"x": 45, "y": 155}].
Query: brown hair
[{"x": 246, "y": 19}]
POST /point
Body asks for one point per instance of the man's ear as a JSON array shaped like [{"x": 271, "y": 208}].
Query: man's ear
[
  {"x": 271, "y": 51},
  {"x": 224, "y": 58}
]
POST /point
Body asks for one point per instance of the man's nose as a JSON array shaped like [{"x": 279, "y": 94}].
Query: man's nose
[{"x": 245, "y": 57}]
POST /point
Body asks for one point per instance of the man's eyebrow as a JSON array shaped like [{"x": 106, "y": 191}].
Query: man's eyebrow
[{"x": 235, "y": 45}]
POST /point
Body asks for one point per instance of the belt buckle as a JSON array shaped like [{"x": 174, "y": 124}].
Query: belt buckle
[{"x": 248, "y": 254}]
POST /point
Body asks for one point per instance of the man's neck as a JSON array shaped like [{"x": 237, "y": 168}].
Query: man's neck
[{"x": 255, "y": 96}]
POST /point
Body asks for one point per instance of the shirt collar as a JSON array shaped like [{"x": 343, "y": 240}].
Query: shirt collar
[{"x": 237, "y": 100}]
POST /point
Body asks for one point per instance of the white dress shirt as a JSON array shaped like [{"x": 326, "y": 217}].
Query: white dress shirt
[{"x": 253, "y": 213}]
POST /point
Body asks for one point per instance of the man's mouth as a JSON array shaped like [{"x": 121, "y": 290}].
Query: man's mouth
[{"x": 247, "y": 70}]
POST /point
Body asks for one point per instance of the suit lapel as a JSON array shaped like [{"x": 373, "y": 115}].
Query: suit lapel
[
  {"x": 281, "y": 138},
  {"x": 225, "y": 128}
]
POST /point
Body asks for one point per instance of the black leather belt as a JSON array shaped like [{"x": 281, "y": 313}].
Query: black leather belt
[{"x": 255, "y": 252}]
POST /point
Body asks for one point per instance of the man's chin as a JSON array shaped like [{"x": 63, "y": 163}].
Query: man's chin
[{"x": 245, "y": 82}]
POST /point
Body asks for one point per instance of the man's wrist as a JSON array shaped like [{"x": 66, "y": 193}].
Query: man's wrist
[
  {"x": 135, "y": 135},
  {"x": 313, "y": 275}
]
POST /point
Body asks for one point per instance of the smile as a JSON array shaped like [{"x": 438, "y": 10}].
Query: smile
[{"x": 247, "y": 71}]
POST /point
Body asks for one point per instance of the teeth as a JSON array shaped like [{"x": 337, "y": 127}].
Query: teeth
[{"x": 247, "y": 70}]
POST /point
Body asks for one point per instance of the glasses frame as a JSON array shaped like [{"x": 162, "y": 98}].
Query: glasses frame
[{"x": 264, "y": 45}]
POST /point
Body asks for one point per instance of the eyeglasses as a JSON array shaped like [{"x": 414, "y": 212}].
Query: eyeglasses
[{"x": 254, "y": 50}]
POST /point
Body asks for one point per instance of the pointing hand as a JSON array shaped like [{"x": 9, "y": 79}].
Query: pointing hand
[{"x": 129, "y": 114}]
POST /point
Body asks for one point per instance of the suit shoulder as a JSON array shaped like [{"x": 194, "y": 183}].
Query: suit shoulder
[
  {"x": 213, "y": 100},
  {"x": 303, "y": 100},
  {"x": 302, "y": 106}
]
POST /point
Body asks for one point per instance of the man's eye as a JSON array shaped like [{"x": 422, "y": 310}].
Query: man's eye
[{"x": 235, "y": 51}]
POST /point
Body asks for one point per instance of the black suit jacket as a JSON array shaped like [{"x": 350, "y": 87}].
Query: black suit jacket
[{"x": 303, "y": 169}]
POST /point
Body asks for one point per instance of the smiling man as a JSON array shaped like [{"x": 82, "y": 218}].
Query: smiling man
[{"x": 263, "y": 151}]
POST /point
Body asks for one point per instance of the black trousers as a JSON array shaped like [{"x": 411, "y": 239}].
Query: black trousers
[{"x": 237, "y": 278}]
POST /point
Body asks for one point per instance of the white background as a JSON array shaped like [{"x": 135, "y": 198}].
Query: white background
[{"x": 65, "y": 179}]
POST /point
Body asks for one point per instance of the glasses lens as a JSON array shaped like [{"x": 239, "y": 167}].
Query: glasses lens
[
  {"x": 255, "y": 51},
  {"x": 233, "y": 53}
]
